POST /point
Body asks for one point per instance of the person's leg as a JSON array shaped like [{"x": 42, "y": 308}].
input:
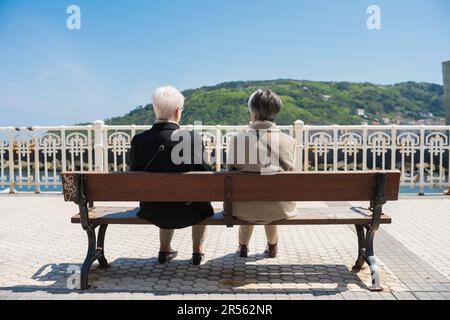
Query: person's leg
[
  {"x": 272, "y": 241},
  {"x": 245, "y": 234},
  {"x": 165, "y": 251},
  {"x": 272, "y": 234},
  {"x": 165, "y": 238},
  {"x": 198, "y": 237}
]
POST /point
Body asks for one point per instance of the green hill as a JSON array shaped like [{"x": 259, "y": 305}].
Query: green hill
[{"x": 311, "y": 101}]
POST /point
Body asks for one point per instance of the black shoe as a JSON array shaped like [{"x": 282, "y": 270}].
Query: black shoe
[
  {"x": 197, "y": 258},
  {"x": 243, "y": 251},
  {"x": 164, "y": 257}
]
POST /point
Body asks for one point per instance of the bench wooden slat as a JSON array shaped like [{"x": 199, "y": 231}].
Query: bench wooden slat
[
  {"x": 313, "y": 187},
  {"x": 197, "y": 187},
  {"x": 194, "y": 187},
  {"x": 305, "y": 216}
]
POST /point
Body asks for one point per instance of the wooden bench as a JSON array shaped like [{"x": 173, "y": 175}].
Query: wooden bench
[{"x": 377, "y": 187}]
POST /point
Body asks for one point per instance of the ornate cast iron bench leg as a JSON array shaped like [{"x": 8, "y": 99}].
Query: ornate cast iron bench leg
[
  {"x": 95, "y": 252},
  {"x": 359, "y": 264},
  {"x": 101, "y": 246},
  {"x": 366, "y": 254},
  {"x": 371, "y": 261},
  {"x": 376, "y": 207},
  {"x": 90, "y": 257}
]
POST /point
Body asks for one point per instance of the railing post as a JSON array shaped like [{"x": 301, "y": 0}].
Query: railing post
[
  {"x": 335, "y": 147},
  {"x": 105, "y": 149},
  {"x": 99, "y": 145},
  {"x": 394, "y": 148},
  {"x": 12, "y": 144},
  {"x": 90, "y": 152},
  {"x": 36, "y": 160},
  {"x": 218, "y": 148},
  {"x": 422, "y": 162},
  {"x": 63, "y": 150},
  {"x": 298, "y": 135},
  {"x": 365, "y": 143}
]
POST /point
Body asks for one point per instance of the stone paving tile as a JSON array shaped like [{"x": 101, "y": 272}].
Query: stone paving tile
[
  {"x": 414, "y": 272},
  {"x": 423, "y": 227},
  {"x": 418, "y": 242},
  {"x": 36, "y": 251},
  {"x": 404, "y": 296}
]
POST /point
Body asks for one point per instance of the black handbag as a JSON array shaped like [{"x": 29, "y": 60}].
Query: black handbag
[{"x": 185, "y": 214}]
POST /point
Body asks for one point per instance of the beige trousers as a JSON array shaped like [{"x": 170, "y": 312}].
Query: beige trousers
[
  {"x": 198, "y": 235},
  {"x": 245, "y": 234}
]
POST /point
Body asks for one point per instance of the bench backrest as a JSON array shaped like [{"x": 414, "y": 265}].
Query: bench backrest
[{"x": 196, "y": 187}]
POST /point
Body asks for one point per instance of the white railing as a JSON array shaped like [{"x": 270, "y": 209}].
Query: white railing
[{"x": 31, "y": 159}]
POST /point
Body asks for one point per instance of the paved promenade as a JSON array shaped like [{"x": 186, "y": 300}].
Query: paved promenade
[{"x": 38, "y": 245}]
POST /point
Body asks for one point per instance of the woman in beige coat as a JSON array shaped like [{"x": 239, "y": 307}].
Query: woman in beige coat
[{"x": 262, "y": 149}]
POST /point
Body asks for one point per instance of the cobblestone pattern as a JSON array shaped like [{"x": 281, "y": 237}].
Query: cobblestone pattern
[
  {"x": 38, "y": 244},
  {"x": 424, "y": 228}
]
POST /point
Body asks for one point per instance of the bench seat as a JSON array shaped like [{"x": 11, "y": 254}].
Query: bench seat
[{"x": 305, "y": 216}]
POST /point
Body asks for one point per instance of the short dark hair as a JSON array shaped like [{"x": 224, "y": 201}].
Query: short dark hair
[{"x": 266, "y": 105}]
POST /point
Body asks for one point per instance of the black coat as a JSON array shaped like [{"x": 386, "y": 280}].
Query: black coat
[{"x": 167, "y": 215}]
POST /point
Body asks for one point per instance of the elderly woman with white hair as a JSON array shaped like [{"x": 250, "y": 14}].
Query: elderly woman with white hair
[
  {"x": 151, "y": 151},
  {"x": 250, "y": 152}
]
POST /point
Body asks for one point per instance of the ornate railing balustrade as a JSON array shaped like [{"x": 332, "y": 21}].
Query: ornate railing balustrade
[{"x": 32, "y": 159}]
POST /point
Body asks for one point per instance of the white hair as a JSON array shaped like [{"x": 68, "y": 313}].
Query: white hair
[{"x": 166, "y": 100}]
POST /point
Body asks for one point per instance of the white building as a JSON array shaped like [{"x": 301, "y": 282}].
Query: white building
[
  {"x": 361, "y": 112},
  {"x": 385, "y": 120}
]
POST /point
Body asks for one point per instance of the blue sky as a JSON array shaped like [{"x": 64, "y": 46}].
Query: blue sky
[{"x": 51, "y": 75}]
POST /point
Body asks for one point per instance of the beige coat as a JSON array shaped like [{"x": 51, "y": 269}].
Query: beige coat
[{"x": 261, "y": 212}]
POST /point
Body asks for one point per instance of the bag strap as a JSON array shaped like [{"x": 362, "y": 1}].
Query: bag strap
[{"x": 161, "y": 148}]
